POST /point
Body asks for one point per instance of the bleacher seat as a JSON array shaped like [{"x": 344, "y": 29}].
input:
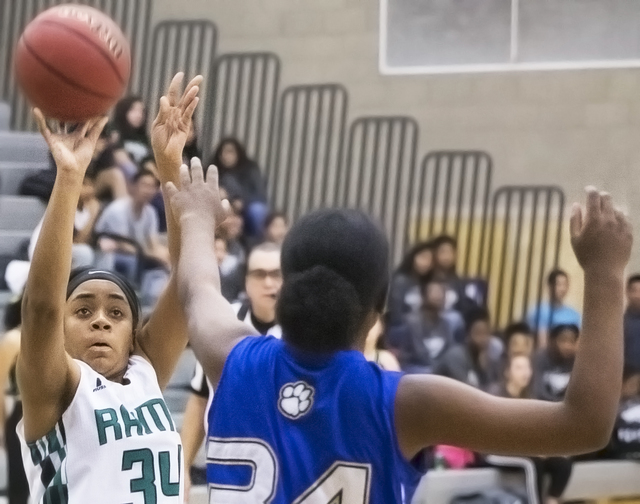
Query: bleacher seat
[
  {"x": 23, "y": 147},
  {"x": 11, "y": 240},
  {"x": 20, "y": 212},
  {"x": 5, "y": 116},
  {"x": 12, "y": 175}
]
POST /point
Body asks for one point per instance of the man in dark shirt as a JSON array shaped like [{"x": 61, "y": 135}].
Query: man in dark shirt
[
  {"x": 427, "y": 333},
  {"x": 632, "y": 323}
]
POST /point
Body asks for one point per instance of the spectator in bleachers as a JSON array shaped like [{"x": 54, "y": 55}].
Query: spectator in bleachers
[
  {"x": 86, "y": 215},
  {"x": 516, "y": 384},
  {"x": 130, "y": 123},
  {"x": 112, "y": 168},
  {"x": 632, "y": 323},
  {"x": 127, "y": 232},
  {"x": 518, "y": 340},
  {"x": 276, "y": 226},
  {"x": 374, "y": 350},
  {"x": 18, "y": 486},
  {"x": 231, "y": 281},
  {"x": 427, "y": 333},
  {"x": 243, "y": 181},
  {"x": 516, "y": 379},
  {"x": 625, "y": 439},
  {"x": 149, "y": 163},
  {"x": 553, "y": 364},
  {"x": 405, "y": 293},
  {"x": 475, "y": 362},
  {"x": 445, "y": 252},
  {"x": 555, "y": 311}
]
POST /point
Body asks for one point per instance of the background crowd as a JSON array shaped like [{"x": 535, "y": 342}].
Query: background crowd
[{"x": 436, "y": 321}]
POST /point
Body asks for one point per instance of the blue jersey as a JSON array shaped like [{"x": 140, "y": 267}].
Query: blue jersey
[{"x": 291, "y": 428}]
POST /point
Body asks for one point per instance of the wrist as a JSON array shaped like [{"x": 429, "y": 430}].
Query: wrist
[
  {"x": 604, "y": 274},
  {"x": 198, "y": 220}
]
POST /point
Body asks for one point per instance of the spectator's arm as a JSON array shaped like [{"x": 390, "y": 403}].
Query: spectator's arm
[
  {"x": 432, "y": 410},
  {"x": 164, "y": 337}
]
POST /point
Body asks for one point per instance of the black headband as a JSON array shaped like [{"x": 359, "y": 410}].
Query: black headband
[{"x": 81, "y": 276}]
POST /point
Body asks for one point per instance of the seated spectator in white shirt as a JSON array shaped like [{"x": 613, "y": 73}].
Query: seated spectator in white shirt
[{"x": 127, "y": 231}]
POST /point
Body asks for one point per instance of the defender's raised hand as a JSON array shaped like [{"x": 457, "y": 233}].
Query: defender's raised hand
[
  {"x": 73, "y": 151},
  {"x": 197, "y": 198},
  {"x": 601, "y": 234},
  {"x": 170, "y": 128}
]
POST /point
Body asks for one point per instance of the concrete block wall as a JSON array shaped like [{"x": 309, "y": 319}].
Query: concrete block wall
[{"x": 570, "y": 128}]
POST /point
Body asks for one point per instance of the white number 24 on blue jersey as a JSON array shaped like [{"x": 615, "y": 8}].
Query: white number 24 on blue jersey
[{"x": 342, "y": 483}]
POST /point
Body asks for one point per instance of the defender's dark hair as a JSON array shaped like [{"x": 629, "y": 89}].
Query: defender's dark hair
[
  {"x": 553, "y": 276},
  {"x": 335, "y": 266}
]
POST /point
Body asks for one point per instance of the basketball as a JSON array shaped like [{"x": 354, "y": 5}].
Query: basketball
[{"x": 73, "y": 62}]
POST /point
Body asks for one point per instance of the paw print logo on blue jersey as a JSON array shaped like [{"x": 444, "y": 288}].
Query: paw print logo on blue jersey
[{"x": 295, "y": 399}]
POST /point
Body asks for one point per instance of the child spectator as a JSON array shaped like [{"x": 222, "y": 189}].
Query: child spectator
[
  {"x": 405, "y": 293},
  {"x": 475, "y": 362},
  {"x": 86, "y": 216},
  {"x": 242, "y": 179},
  {"x": 554, "y": 312},
  {"x": 445, "y": 251},
  {"x": 553, "y": 365}
]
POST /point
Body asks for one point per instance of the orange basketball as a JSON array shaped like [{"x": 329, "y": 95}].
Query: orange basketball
[{"x": 73, "y": 62}]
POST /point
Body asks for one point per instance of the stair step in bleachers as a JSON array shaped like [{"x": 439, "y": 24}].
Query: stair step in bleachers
[
  {"x": 5, "y": 116},
  {"x": 12, "y": 175},
  {"x": 20, "y": 212},
  {"x": 23, "y": 147},
  {"x": 11, "y": 240}
]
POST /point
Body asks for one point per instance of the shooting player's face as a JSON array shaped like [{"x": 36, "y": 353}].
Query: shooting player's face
[{"x": 98, "y": 327}]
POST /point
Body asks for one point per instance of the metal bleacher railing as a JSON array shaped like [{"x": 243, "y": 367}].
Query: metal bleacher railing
[
  {"x": 379, "y": 172},
  {"x": 308, "y": 148},
  {"x": 523, "y": 246},
  {"x": 133, "y": 16},
  {"x": 242, "y": 95},
  {"x": 451, "y": 196},
  {"x": 186, "y": 45}
]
